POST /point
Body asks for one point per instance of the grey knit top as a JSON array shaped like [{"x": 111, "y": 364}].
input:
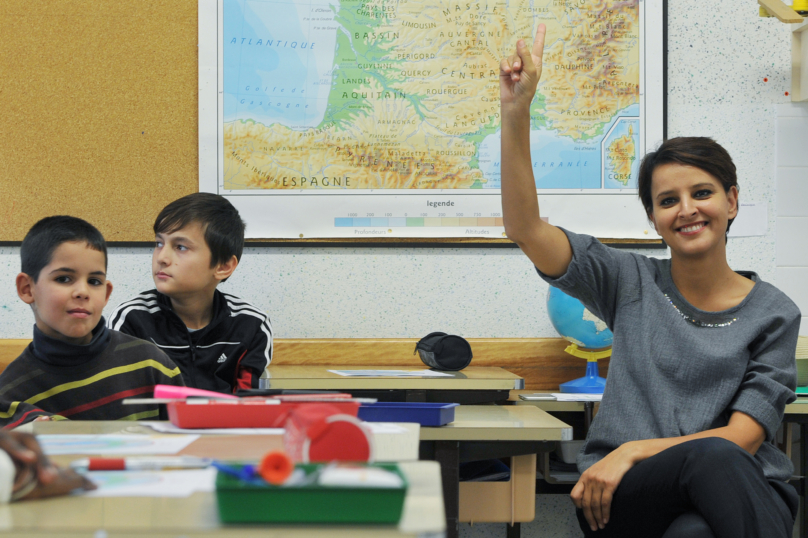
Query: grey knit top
[{"x": 677, "y": 370}]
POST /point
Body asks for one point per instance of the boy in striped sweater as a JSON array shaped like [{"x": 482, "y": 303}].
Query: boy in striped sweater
[
  {"x": 219, "y": 341},
  {"x": 75, "y": 368}
]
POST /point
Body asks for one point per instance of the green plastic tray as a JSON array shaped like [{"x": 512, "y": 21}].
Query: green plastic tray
[{"x": 241, "y": 502}]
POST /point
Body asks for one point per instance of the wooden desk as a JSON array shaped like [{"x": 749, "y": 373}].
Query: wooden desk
[
  {"x": 491, "y": 431},
  {"x": 499, "y": 423},
  {"x": 473, "y": 385},
  {"x": 478, "y": 432},
  {"x": 198, "y": 514}
]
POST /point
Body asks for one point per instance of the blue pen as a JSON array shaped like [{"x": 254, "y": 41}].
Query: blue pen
[{"x": 245, "y": 474}]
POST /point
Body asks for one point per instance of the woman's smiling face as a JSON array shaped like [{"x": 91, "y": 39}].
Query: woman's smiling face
[{"x": 691, "y": 209}]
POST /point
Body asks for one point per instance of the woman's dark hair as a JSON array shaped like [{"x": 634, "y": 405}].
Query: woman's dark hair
[{"x": 700, "y": 152}]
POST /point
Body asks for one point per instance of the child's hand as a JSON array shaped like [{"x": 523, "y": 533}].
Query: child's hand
[
  {"x": 33, "y": 466},
  {"x": 64, "y": 481},
  {"x": 42, "y": 418},
  {"x": 24, "y": 450},
  {"x": 519, "y": 74}
]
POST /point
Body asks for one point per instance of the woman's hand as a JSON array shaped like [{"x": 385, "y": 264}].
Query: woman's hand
[
  {"x": 519, "y": 74},
  {"x": 594, "y": 491}
]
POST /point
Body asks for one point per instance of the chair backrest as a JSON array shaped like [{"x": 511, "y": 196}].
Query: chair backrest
[{"x": 10, "y": 349}]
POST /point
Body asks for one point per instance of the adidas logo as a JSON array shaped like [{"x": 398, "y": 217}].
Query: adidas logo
[{"x": 222, "y": 358}]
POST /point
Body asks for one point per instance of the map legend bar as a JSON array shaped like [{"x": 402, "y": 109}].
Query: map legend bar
[{"x": 409, "y": 222}]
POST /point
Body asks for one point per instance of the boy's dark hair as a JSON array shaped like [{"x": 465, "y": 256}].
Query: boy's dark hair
[
  {"x": 45, "y": 236},
  {"x": 700, "y": 152},
  {"x": 220, "y": 221}
]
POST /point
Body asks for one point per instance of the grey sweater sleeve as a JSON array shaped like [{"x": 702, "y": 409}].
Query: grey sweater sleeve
[
  {"x": 596, "y": 276},
  {"x": 771, "y": 372}
]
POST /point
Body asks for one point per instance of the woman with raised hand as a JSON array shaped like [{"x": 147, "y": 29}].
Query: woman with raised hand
[{"x": 703, "y": 356}]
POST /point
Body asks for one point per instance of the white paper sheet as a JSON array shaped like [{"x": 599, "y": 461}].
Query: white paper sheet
[
  {"x": 752, "y": 220},
  {"x": 385, "y": 427},
  {"x": 167, "y": 427},
  {"x": 151, "y": 483},
  {"x": 567, "y": 397},
  {"x": 143, "y": 445},
  {"x": 390, "y": 373}
]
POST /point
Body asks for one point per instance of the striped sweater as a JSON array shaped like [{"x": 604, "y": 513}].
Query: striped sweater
[{"x": 87, "y": 382}]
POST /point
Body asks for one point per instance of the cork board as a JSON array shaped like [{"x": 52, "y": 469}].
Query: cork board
[{"x": 98, "y": 112}]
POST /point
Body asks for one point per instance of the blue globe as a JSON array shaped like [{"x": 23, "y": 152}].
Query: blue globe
[{"x": 575, "y": 323}]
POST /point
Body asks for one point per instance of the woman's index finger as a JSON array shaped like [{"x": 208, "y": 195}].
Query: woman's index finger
[{"x": 538, "y": 41}]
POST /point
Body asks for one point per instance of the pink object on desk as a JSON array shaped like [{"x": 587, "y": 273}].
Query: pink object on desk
[{"x": 180, "y": 393}]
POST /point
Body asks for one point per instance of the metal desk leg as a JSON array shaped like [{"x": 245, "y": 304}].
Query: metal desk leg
[
  {"x": 513, "y": 531},
  {"x": 447, "y": 453},
  {"x": 589, "y": 410}
]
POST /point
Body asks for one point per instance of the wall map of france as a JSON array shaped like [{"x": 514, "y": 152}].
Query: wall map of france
[{"x": 403, "y": 95}]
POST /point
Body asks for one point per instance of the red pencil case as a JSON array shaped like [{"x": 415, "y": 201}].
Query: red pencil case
[{"x": 244, "y": 412}]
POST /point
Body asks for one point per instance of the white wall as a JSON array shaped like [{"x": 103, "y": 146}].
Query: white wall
[{"x": 792, "y": 204}]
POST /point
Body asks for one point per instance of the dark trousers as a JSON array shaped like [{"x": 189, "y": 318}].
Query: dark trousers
[{"x": 703, "y": 488}]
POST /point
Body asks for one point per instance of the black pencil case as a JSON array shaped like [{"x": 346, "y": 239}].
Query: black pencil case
[{"x": 443, "y": 351}]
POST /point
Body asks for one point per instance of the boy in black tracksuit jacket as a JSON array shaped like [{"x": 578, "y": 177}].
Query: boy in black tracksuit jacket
[
  {"x": 219, "y": 342},
  {"x": 229, "y": 353}
]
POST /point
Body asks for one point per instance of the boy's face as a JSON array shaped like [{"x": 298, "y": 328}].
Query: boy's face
[
  {"x": 181, "y": 263},
  {"x": 70, "y": 294}
]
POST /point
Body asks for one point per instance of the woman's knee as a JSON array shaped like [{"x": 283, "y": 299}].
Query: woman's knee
[
  {"x": 689, "y": 525},
  {"x": 715, "y": 452},
  {"x": 711, "y": 466}
]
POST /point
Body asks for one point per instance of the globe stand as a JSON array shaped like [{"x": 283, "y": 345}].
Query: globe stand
[{"x": 591, "y": 383}]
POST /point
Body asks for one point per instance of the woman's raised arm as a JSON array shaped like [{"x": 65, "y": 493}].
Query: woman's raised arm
[{"x": 545, "y": 245}]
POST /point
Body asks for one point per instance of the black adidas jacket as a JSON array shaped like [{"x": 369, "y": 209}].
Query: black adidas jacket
[{"x": 231, "y": 352}]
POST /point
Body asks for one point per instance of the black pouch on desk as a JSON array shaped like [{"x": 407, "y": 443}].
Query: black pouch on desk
[{"x": 443, "y": 351}]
